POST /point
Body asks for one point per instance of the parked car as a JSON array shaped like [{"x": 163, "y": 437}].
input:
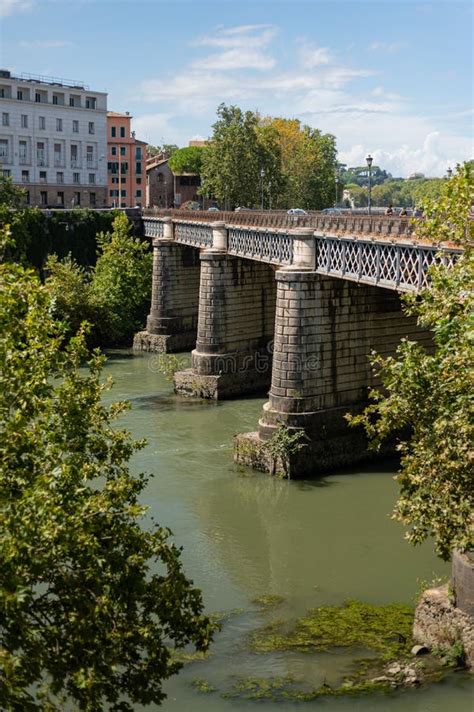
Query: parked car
[
  {"x": 190, "y": 205},
  {"x": 241, "y": 209},
  {"x": 213, "y": 209},
  {"x": 332, "y": 211},
  {"x": 296, "y": 211}
]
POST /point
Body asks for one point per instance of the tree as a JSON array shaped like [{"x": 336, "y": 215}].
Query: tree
[
  {"x": 308, "y": 164},
  {"x": 431, "y": 394},
  {"x": 91, "y": 604},
  {"x": 68, "y": 285},
  {"x": 187, "y": 160},
  {"x": 230, "y": 166},
  {"x": 120, "y": 288}
]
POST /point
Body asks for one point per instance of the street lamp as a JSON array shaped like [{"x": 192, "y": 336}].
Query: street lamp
[
  {"x": 449, "y": 172},
  {"x": 262, "y": 176},
  {"x": 369, "y": 160}
]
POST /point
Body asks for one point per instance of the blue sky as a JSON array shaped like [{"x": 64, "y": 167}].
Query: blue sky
[{"x": 391, "y": 78}]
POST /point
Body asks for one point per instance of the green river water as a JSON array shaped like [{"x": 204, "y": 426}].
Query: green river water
[{"x": 245, "y": 535}]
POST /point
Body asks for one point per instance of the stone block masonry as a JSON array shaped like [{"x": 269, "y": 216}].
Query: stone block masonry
[
  {"x": 325, "y": 329},
  {"x": 235, "y": 328},
  {"x": 172, "y": 322}
]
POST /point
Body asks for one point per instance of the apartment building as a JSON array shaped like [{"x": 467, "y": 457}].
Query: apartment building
[
  {"x": 53, "y": 140},
  {"x": 126, "y": 163}
]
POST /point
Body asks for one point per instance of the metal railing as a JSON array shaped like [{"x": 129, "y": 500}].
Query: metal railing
[
  {"x": 260, "y": 244},
  {"x": 394, "y": 265},
  {"x": 191, "y": 233}
]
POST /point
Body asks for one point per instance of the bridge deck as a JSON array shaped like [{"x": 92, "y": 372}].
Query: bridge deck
[{"x": 375, "y": 250}]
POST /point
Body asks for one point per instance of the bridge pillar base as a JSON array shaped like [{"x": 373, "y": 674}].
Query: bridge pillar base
[{"x": 172, "y": 322}]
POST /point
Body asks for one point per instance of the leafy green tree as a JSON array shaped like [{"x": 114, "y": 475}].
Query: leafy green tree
[
  {"x": 233, "y": 158},
  {"x": 187, "y": 160},
  {"x": 91, "y": 604},
  {"x": 431, "y": 393},
  {"x": 120, "y": 288},
  {"x": 11, "y": 196},
  {"x": 358, "y": 195},
  {"x": 68, "y": 285}
]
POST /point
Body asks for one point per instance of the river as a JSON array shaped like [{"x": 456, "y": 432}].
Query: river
[{"x": 246, "y": 535}]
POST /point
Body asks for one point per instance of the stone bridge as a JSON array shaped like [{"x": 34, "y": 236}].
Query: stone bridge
[{"x": 294, "y": 304}]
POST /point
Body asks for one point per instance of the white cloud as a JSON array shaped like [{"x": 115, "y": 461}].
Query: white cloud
[
  {"x": 45, "y": 44},
  {"x": 153, "y": 128},
  {"x": 242, "y": 48},
  {"x": 9, "y": 7},
  {"x": 311, "y": 56},
  {"x": 387, "y": 46},
  {"x": 236, "y": 59}
]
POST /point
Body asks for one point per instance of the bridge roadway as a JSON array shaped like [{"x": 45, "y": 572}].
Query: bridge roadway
[{"x": 294, "y": 303}]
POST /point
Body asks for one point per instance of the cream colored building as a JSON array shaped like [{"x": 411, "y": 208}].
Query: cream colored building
[{"x": 53, "y": 140}]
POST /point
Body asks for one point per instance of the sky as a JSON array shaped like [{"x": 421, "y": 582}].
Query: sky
[{"x": 390, "y": 78}]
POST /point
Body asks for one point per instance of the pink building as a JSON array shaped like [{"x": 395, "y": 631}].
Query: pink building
[{"x": 126, "y": 163}]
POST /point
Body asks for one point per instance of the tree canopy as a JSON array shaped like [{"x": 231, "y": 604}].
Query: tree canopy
[
  {"x": 252, "y": 159},
  {"x": 186, "y": 160},
  {"x": 431, "y": 393},
  {"x": 91, "y": 603}
]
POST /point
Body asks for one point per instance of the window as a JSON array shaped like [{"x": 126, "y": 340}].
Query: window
[
  {"x": 74, "y": 156},
  {"x": 3, "y": 148},
  {"x": 92, "y": 200},
  {"x": 71, "y": 101},
  {"x": 76, "y": 177},
  {"x": 59, "y": 177},
  {"x": 24, "y": 121},
  {"x": 90, "y": 156},
  {"x": 138, "y": 168},
  {"x": 22, "y": 151},
  {"x": 40, "y": 154},
  {"x": 60, "y": 197},
  {"x": 122, "y": 150},
  {"x": 138, "y": 193},
  {"x": 114, "y": 150},
  {"x": 122, "y": 132},
  {"x": 27, "y": 197},
  {"x": 42, "y": 123},
  {"x": 92, "y": 178},
  {"x": 113, "y": 132},
  {"x": 123, "y": 179},
  {"x": 44, "y": 197},
  {"x": 59, "y": 124},
  {"x": 91, "y": 127},
  {"x": 115, "y": 180},
  {"x": 25, "y": 176},
  {"x": 139, "y": 181},
  {"x": 77, "y": 198},
  {"x": 5, "y": 119},
  {"x": 123, "y": 193},
  {"x": 58, "y": 156},
  {"x": 91, "y": 102},
  {"x": 6, "y": 172},
  {"x": 112, "y": 166},
  {"x": 138, "y": 153},
  {"x": 37, "y": 97},
  {"x": 43, "y": 177},
  {"x": 123, "y": 167},
  {"x": 2, "y": 93},
  {"x": 75, "y": 126},
  {"x": 19, "y": 95},
  {"x": 55, "y": 99}
]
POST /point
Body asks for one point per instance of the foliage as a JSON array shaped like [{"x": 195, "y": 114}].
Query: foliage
[
  {"x": 11, "y": 196},
  {"x": 186, "y": 160},
  {"x": 231, "y": 159},
  {"x": 67, "y": 283},
  {"x": 399, "y": 192},
  {"x": 120, "y": 288},
  {"x": 384, "y": 629},
  {"x": 431, "y": 394},
  {"x": 91, "y": 604},
  {"x": 358, "y": 175},
  {"x": 282, "y": 446}
]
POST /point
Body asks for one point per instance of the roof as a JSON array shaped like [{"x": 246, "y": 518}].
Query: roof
[{"x": 118, "y": 114}]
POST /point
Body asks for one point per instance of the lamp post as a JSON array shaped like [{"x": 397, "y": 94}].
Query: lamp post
[
  {"x": 270, "y": 194},
  {"x": 336, "y": 180},
  {"x": 450, "y": 173},
  {"x": 262, "y": 176},
  {"x": 369, "y": 160}
]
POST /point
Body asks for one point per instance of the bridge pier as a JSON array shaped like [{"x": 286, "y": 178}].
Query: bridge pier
[
  {"x": 235, "y": 327},
  {"x": 172, "y": 321},
  {"x": 325, "y": 330}
]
